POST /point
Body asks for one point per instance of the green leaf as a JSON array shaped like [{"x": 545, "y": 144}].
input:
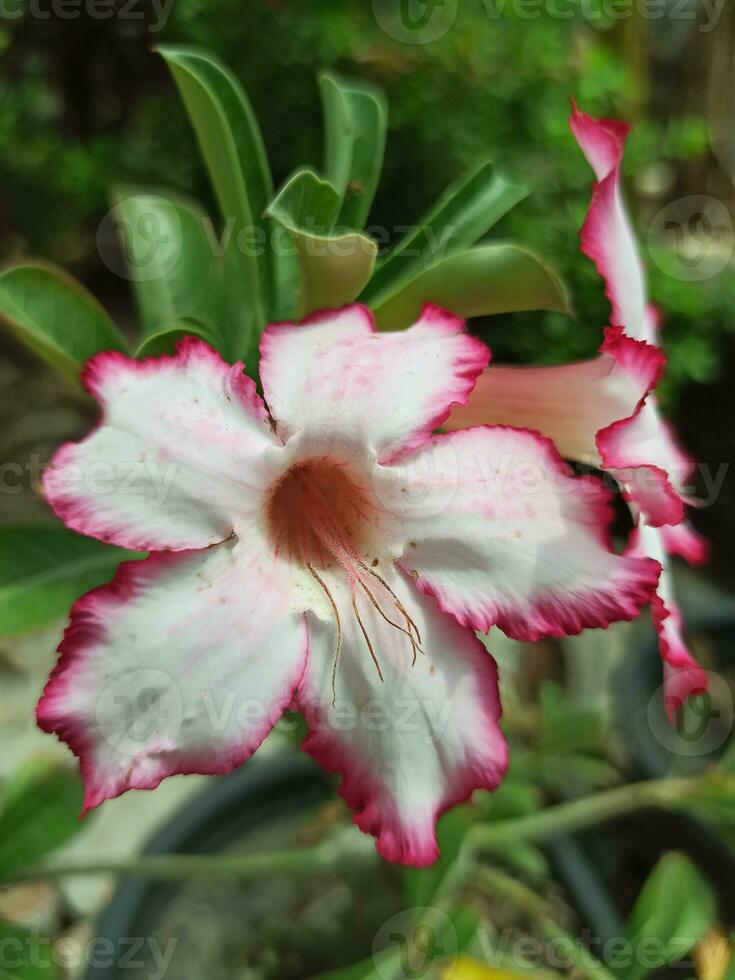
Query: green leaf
[
  {"x": 38, "y": 816},
  {"x": 44, "y": 568},
  {"x": 232, "y": 146},
  {"x": 181, "y": 268},
  {"x": 165, "y": 341},
  {"x": 676, "y": 908},
  {"x": 334, "y": 268},
  {"x": 462, "y": 215},
  {"x": 356, "y": 117},
  {"x": 24, "y": 956},
  {"x": 55, "y": 316},
  {"x": 485, "y": 280}
]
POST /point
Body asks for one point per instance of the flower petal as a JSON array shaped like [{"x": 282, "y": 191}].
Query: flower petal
[
  {"x": 182, "y": 664},
  {"x": 336, "y": 377},
  {"x": 568, "y": 403},
  {"x": 607, "y": 237},
  {"x": 684, "y": 541},
  {"x": 501, "y": 533},
  {"x": 683, "y": 676},
  {"x": 415, "y": 743},
  {"x": 173, "y": 463},
  {"x": 640, "y": 449}
]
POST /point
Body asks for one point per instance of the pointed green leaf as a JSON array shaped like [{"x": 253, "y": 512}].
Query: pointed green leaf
[
  {"x": 166, "y": 339},
  {"x": 232, "y": 146},
  {"x": 356, "y": 117},
  {"x": 462, "y": 215},
  {"x": 484, "y": 280},
  {"x": 55, "y": 316},
  {"x": 334, "y": 268},
  {"x": 181, "y": 267},
  {"x": 44, "y": 568},
  {"x": 675, "y": 909}
]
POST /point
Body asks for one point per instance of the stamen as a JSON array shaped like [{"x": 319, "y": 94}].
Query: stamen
[
  {"x": 367, "y": 638},
  {"x": 390, "y": 622},
  {"x": 338, "y": 644},
  {"x": 399, "y": 605}
]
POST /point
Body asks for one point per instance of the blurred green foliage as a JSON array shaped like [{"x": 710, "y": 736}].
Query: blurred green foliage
[{"x": 86, "y": 104}]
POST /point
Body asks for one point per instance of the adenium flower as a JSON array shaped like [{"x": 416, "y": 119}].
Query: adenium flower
[
  {"x": 326, "y": 552},
  {"x": 603, "y": 411}
]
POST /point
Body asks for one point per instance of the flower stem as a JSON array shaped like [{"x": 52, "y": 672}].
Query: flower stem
[
  {"x": 182, "y": 867},
  {"x": 584, "y": 812},
  {"x": 330, "y": 856}
]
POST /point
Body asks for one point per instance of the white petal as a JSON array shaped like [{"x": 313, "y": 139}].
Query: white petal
[
  {"x": 499, "y": 530},
  {"x": 178, "y": 459},
  {"x": 183, "y": 664},
  {"x": 336, "y": 379},
  {"x": 414, "y": 743}
]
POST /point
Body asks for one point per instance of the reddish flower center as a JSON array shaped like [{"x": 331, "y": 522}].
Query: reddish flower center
[
  {"x": 318, "y": 515},
  {"x": 321, "y": 518}
]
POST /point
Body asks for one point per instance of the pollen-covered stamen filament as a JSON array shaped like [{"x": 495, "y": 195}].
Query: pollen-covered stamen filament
[
  {"x": 401, "y": 629},
  {"x": 338, "y": 640},
  {"x": 412, "y": 627}
]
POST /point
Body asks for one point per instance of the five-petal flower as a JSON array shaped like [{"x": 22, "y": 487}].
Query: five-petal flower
[{"x": 328, "y": 552}]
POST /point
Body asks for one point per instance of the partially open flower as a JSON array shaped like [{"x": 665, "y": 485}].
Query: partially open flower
[
  {"x": 327, "y": 552},
  {"x": 603, "y": 412}
]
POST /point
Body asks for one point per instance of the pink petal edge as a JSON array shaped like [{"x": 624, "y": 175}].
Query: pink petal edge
[
  {"x": 364, "y": 795},
  {"x": 77, "y": 514},
  {"x": 588, "y": 610},
  {"x": 83, "y": 631}
]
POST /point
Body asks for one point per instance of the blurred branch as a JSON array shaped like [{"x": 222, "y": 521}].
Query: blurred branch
[
  {"x": 332, "y": 855},
  {"x": 585, "y": 812}
]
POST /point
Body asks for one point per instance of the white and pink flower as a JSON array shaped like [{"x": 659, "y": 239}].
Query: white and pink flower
[
  {"x": 327, "y": 552},
  {"x": 603, "y": 412}
]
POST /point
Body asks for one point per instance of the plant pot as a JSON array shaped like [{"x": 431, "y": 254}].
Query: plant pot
[{"x": 286, "y": 927}]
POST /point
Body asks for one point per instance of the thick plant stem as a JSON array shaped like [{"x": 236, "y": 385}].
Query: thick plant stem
[
  {"x": 585, "y": 812},
  {"x": 563, "y": 818}
]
